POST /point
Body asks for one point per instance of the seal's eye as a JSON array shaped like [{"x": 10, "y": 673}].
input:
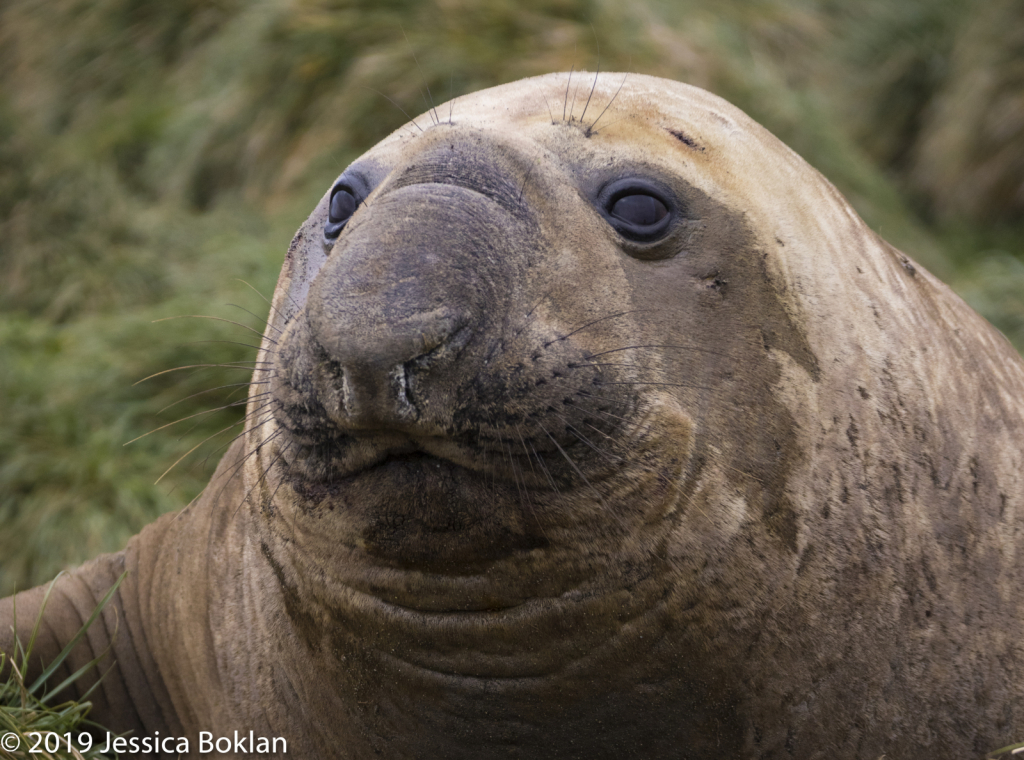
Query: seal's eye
[
  {"x": 639, "y": 210},
  {"x": 343, "y": 205}
]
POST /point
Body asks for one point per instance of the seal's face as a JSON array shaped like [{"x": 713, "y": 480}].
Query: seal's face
[
  {"x": 453, "y": 372},
  {"x": 509, "y": 359},
  {"x": 456, "y": 368}
]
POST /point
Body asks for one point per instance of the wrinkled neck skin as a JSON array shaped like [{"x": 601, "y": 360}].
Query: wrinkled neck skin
[{"x": 539, "y": 648}]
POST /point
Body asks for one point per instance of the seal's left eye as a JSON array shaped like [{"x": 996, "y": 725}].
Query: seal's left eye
[{"x": 343, "y": 205}]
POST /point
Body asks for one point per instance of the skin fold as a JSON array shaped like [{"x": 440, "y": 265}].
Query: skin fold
[{"x": 531, "y": 473}]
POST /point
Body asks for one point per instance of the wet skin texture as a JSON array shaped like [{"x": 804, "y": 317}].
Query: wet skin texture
[{"x": 591, "y": 437}]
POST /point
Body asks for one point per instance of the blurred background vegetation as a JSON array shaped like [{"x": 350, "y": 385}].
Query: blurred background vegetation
[{"x": 154, "y": 155}]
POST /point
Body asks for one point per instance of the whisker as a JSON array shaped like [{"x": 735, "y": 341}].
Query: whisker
[
  {"x": 566, "y": 103},
  {"x": 268, "y": 302},
  {"x": 594, "y": 125},
  {"x": 186, "y": 454},
  {"x": 515, "y": 471},
  {"x": 668, "y": 385},
  {"x": 605, "y": 364},
  {"x": 280, "y": 483},
  {"x": 601, "y": 319},
  {"x": 589, "y": 485},
  {"x": 573, "y": 104},
  {"x": 519, "y": 432},
  {"x": 451, "y": 100},
  {"x": 431, "y": 108},
  {"x": 255, "y": 452},
  {"x": 601, "y": 411},
  {"x": 525, "y": 180},
  {"x": 234, "y": 394},
  {"x": 206, "y": 459},
  {"x": 571, "y": 463},
  {"x": 261, "y": 319},
  {"x": 584, "y": 439},
  {"x": 230, "y": 365},
  {"x": 543, "y": 467},
  {"x": 528, "y": 317},
  {"x": 211, "y": 390},
  {"x": 528, "y": 507},
  {"x": 263, "y": 475},
  {"x": 234, "y": 470},
  {"x": 235, "y": 438},
  {"x": 616, "y": 121},
  {"x": 601, "y": 432},
  {"x": 412, "y": 120},
  {"x": 227, "y": 342},
  {"x": 659, "y": 345},
  {"x": 596, "y": 75},
  {"x": 216, "y": 319},
  {"x": 189, "y": 417},
  {"x": 290, "y": 524},
  {"x": 240, "y": 422},
  {"x": 551, "y": 115}
]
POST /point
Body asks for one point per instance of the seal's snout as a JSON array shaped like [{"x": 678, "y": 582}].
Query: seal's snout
[
  {"x": 377, "y": 368},
  {"x": 392, "y": 316}
]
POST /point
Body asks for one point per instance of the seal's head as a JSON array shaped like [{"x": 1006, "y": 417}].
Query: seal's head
[{"x": 556, "y": 401}]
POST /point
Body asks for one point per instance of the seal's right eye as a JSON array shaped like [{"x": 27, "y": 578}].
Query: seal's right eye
[
  {"x": 343, "y": 205},
  {"x": 639, "y": 210}
]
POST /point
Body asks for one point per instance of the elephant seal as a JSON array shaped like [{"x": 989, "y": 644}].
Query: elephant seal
[{"x": 611, "y": 432}]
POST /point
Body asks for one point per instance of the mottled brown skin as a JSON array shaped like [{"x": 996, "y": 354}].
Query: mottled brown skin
[{"x": 526, "y": 488}]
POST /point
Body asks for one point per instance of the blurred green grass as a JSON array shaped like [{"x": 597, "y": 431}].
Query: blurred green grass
[{"x": 154, "y": 154}]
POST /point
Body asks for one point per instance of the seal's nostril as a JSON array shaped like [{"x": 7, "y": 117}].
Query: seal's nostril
[{"x": 404, "y": 407}]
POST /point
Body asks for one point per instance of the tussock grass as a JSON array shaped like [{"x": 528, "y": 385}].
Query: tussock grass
[
  {"x": 940, "y": 102},
  {"x": 43, "y": 729},
  {"x": 1007, "y": 752}
]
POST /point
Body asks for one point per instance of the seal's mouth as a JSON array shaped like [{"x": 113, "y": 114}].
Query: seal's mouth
[
  {"x": 329, "y": 462},
  {"x": 315, "y": 476}
]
